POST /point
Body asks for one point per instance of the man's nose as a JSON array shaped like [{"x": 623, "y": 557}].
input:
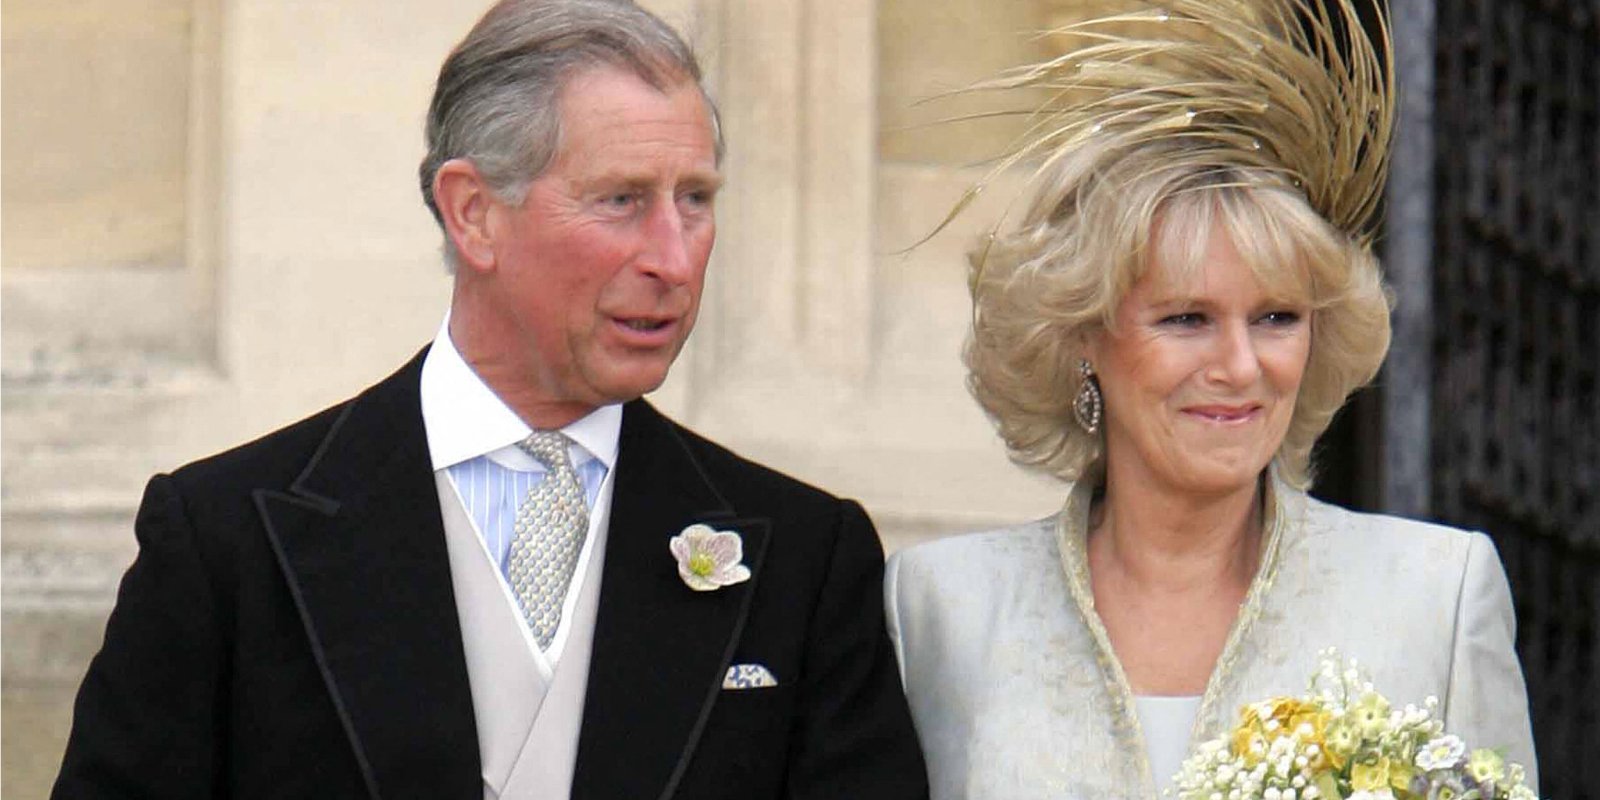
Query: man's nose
[{"x": 665, "y": 254}]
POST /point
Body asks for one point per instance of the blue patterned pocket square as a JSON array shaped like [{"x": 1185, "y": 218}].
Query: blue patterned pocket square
[{"x": 748, "y": 676}]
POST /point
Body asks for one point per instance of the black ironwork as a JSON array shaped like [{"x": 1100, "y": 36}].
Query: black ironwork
[{"x": 1516, "y": 338}]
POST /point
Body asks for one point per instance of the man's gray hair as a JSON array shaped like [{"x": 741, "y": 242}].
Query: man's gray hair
[{"x": 496, "y": 103}]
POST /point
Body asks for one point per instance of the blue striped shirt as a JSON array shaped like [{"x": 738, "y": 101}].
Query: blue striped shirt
[
  {"x": 492, "y": 491},
  {"x": 472, "y": 438}
]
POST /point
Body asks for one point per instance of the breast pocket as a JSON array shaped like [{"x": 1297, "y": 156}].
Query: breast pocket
[
  {"x": 756, "y": 708},
  {"x": 744, "y": 746}
]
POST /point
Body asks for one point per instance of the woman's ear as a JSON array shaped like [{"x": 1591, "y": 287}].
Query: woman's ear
[
  {"x": 465, "y": 203},
  {"x": 1089, "y": 343}
]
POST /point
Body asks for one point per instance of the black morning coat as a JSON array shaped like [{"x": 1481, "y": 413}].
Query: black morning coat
[{"x": 289, "y": 631}]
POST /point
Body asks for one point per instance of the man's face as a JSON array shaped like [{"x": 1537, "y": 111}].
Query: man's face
[{"x": 598, "y": 273}]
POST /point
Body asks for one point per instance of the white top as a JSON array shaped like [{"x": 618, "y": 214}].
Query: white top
[
  {"x": 1166, "y": 722},
  {"x": 472, "y": 437}
]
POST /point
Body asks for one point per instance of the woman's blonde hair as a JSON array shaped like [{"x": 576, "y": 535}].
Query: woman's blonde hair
[
  {"x": 1268, "y": 121},
  {"x": 1105, "y": 212}
]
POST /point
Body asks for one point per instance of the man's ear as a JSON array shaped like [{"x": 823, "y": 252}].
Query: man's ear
[{"x": 465, "y": 203}]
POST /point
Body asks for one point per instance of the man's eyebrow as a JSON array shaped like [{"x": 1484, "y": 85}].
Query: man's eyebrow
[{"x": 705, "y": 179}]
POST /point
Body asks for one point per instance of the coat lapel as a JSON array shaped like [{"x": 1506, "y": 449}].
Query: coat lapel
[
  {"x": 361, "y": 543},
  {"x": 660, "y": 649}
]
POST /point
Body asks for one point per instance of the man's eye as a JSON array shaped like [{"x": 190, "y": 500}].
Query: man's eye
[{"x": 618, "y": 200}]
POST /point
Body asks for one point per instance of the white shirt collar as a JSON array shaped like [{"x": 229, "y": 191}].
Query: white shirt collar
[{"x": 465, "y": 419}]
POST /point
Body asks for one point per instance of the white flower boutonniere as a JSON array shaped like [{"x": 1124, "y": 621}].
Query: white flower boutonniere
[{"x": 709, "y": 559}]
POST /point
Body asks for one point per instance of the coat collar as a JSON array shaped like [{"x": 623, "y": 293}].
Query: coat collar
[
  {"x": 660, "y": 649},
  {"x": 1283, "y": 510},
  {"x": 360, "y": 541}
]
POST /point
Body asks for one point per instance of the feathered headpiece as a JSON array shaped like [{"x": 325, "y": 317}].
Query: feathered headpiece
[{"x": 1292, "y": 87}]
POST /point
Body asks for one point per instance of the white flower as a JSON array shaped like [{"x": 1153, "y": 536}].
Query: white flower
[
  {"x": 1381, "y": 794},
  {"x": 1444, "y": 752},
  {"x": 709, "y": 559}
]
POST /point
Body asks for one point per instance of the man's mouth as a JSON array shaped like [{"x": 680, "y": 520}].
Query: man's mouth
[
  {"x": 644, "y": 325},
  {"x": 651, "y": 331}
]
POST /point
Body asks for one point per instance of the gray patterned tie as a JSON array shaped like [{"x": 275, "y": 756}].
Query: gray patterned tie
[{"x": 551, "y": 526}]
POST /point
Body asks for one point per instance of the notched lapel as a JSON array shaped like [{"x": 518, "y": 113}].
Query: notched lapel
[
  {"x": 661, "y": 649},
  {"x": 291, "y": 521},
  {"x": 360, "y": 541}
]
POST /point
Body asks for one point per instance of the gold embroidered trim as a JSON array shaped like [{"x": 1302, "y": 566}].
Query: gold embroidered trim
[{"x": 1072, "y": 529}]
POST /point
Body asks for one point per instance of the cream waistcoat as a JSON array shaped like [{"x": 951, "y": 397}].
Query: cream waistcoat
[{"x": 527, "y": 726}]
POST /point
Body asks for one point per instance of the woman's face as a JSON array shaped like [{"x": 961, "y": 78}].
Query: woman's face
[{"x": 1199, "y": 375}]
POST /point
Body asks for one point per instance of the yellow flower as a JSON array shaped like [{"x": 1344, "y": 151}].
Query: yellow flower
[
  {"x": 1370, "y": 715},
  {"x": 1381, "y": 772},
  {"x": 1340, "y": 740},
  {"x": 1327, "y": 785},
  {"x": 1370, "y": 775},
  {"x": 1249, "y": 743},
  {"x": 1400, "y": 775},
  {"x": 1486, "y": 766},
  {"x": 1259, "y": 724},
  {"x": 1313, "y": 716},
  {"x": 1310, "y": 723}
]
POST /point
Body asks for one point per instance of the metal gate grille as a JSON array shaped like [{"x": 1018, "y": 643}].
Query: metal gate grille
[{"x": 1516, "y": 339}]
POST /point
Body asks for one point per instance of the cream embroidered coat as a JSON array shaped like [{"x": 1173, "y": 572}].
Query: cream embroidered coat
[{"x": 1016, "y": 693}]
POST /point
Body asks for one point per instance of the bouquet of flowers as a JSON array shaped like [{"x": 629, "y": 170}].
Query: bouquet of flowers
[{"x": 1344, "y": 741}]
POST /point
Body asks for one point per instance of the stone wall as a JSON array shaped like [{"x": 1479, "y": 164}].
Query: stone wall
[{"x": 212, "y": 228}]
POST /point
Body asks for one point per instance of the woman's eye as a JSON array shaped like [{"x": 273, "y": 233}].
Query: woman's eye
[
  {"x": 1282, "y": 318},
  {"x": 1188, "y": 319}
]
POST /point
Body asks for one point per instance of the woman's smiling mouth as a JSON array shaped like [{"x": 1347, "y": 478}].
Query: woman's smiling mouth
[{"x": 1225, "y": 414}]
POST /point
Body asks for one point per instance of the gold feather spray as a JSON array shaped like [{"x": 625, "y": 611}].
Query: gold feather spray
[{"x": 1293, "y": 87}]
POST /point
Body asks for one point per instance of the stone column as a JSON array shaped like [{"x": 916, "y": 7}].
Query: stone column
[{"x": 1408, "y": 261}]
